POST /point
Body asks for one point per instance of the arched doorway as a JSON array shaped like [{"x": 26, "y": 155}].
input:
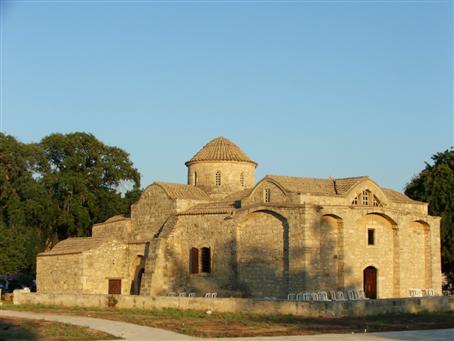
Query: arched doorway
[
  {"x": 136, "y": 271},
  {"x": 370, "y": 282}
]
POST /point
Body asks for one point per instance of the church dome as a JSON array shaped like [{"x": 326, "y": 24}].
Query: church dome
[{"x": 220, "y": 149}]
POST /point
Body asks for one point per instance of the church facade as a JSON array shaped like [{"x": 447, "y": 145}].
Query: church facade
[{"x": 223, "y": 232}]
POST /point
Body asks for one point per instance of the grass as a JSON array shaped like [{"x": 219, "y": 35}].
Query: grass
[
  {"x": 199, "y": 323},
  {"x": 26, "y": 329}
]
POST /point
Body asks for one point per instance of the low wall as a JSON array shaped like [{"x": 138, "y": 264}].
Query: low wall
[{"x": 307, "y": 309}]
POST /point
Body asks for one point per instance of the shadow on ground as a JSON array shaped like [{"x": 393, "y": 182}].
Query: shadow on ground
[{"x": 11, "y": 329}]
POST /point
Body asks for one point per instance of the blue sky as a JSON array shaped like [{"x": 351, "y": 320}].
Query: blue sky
[{"x": 315, "y": 89}]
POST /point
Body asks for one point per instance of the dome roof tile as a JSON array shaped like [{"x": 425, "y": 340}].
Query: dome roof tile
[{"x": 220, "y": 149}]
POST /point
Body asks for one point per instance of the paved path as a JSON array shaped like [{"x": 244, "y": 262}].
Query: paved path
[{"x": 133, "y": 332}]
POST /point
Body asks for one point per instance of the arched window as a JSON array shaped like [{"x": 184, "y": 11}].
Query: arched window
[
  {"x": 267, "y": 195},
  {"x": 242, "y": 179},
  {"x": 195, "y": 178},
  {"x": 206, "y": 259},
  {"x": 194, "y": 260},
  {"x": 218, "y": 178},
  {"x": 376, "y": 202},
  {"x": 365, "y": 196}
]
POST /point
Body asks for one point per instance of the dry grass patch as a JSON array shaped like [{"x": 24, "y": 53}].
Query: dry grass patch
[
  {"x": 31, "y": 330},
  {"x": 198, "y": 323}
]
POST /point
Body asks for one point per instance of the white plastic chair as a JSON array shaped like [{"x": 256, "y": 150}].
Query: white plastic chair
[
  {"x": 191, "y": 294},
  {"x": 172, "y": 293},
  {"x": 351, "y": 295},
  {"x": 182, "y": 294},
  {"x": 323, "y": 296},
  {"x": 361, "y": 295},
  {"x": 314, "y": 296},
  {"x": 340, "y": 296},
  {"x": 307, "y": 296},
  {"x": 291, "y": 297}
]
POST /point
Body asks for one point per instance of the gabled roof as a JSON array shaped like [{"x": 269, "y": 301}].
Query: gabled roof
[
  {"x": 180, "y": 191},
  {"x": 305, "y": 185},
  {"x": 115, "y": 218},
  {"x": 343, "y": 185},
  {"x": 398, "y": 197},
  {"x": 332, "y": 187},
  {"x": 220, "y": 149},
  {"x": 75, "y": 245},
  {"x": 235, "y": 196}
]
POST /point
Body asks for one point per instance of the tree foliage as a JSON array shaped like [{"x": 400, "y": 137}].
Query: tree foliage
[
  {"x": 435, "y": 185},
  {"x": 83, "y": 178},
  {"x": 58, "y": 188}
]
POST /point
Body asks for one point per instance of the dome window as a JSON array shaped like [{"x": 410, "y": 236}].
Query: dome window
[{"x": 218, "y": 178}]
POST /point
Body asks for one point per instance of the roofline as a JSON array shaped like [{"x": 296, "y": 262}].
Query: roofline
[
  {"x": 113, "y": 221},
  {"x": 192, "y": 162}
]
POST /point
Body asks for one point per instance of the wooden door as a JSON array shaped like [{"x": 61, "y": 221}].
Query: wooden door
[
  {"x": 114, "y": 286},
  {"x": 370, "y": 282}
]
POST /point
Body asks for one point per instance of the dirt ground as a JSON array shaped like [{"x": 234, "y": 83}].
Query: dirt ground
[
  {"x": 35, "y": 330},
  {"x": 197, "y": 323}
]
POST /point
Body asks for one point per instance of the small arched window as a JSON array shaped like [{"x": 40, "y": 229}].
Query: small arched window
[
  {"x": 242, "y": 179},
  {"x": 195, "y": 178},
  {"x": 267, "y": 195},
  {"x": 194, "y": 260},
  {"x": 206, "y": 259},
  {"x": 218, "y": 178},
  {"x": 365, "y": 196}
]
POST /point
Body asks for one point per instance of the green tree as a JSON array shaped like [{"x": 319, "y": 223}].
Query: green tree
[
  {"x": 435, "y": 185},
  {"x": 19, "y": 246},
  {"x": 26, "y": 209},
  {"x": 55, "y": 189},
  {"x": 83, "y": 177}
]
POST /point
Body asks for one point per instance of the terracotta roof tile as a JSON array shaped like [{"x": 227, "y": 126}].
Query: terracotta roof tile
[
  {"x": 398, "y": 197},
  {"x": 220, "y": 149},
  {"x": 75, "y": 245},
  {"x": 180, "y": 191},
  {"x": 238, "y": 195},
  {"x": 332, "y": 187},
  {"x": 305, "y": 185},
  {"x": 343, "y": 185}
]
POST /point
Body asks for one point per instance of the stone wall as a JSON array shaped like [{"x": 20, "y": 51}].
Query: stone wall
[
  {"x": 235, "y": 305},
  {"x": 151, "y": 212},
  {"x": 276, "y": 195},
  {"x": 196, "y": 231},
  {"x": 120, "y": 229},
  {"x": 230, "y": 177},
  {"x": 90, "y": 271},
  {"x": 406, "y": 252},
  {"x": 262, "y": 255},
  {"x": 60, "y": 273}
]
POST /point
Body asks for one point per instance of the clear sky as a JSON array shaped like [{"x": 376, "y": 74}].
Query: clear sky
[{"x": 305, "y": 88}]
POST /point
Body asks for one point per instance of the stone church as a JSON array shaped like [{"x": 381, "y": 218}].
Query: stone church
[{"x": 224, "y": 232}]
